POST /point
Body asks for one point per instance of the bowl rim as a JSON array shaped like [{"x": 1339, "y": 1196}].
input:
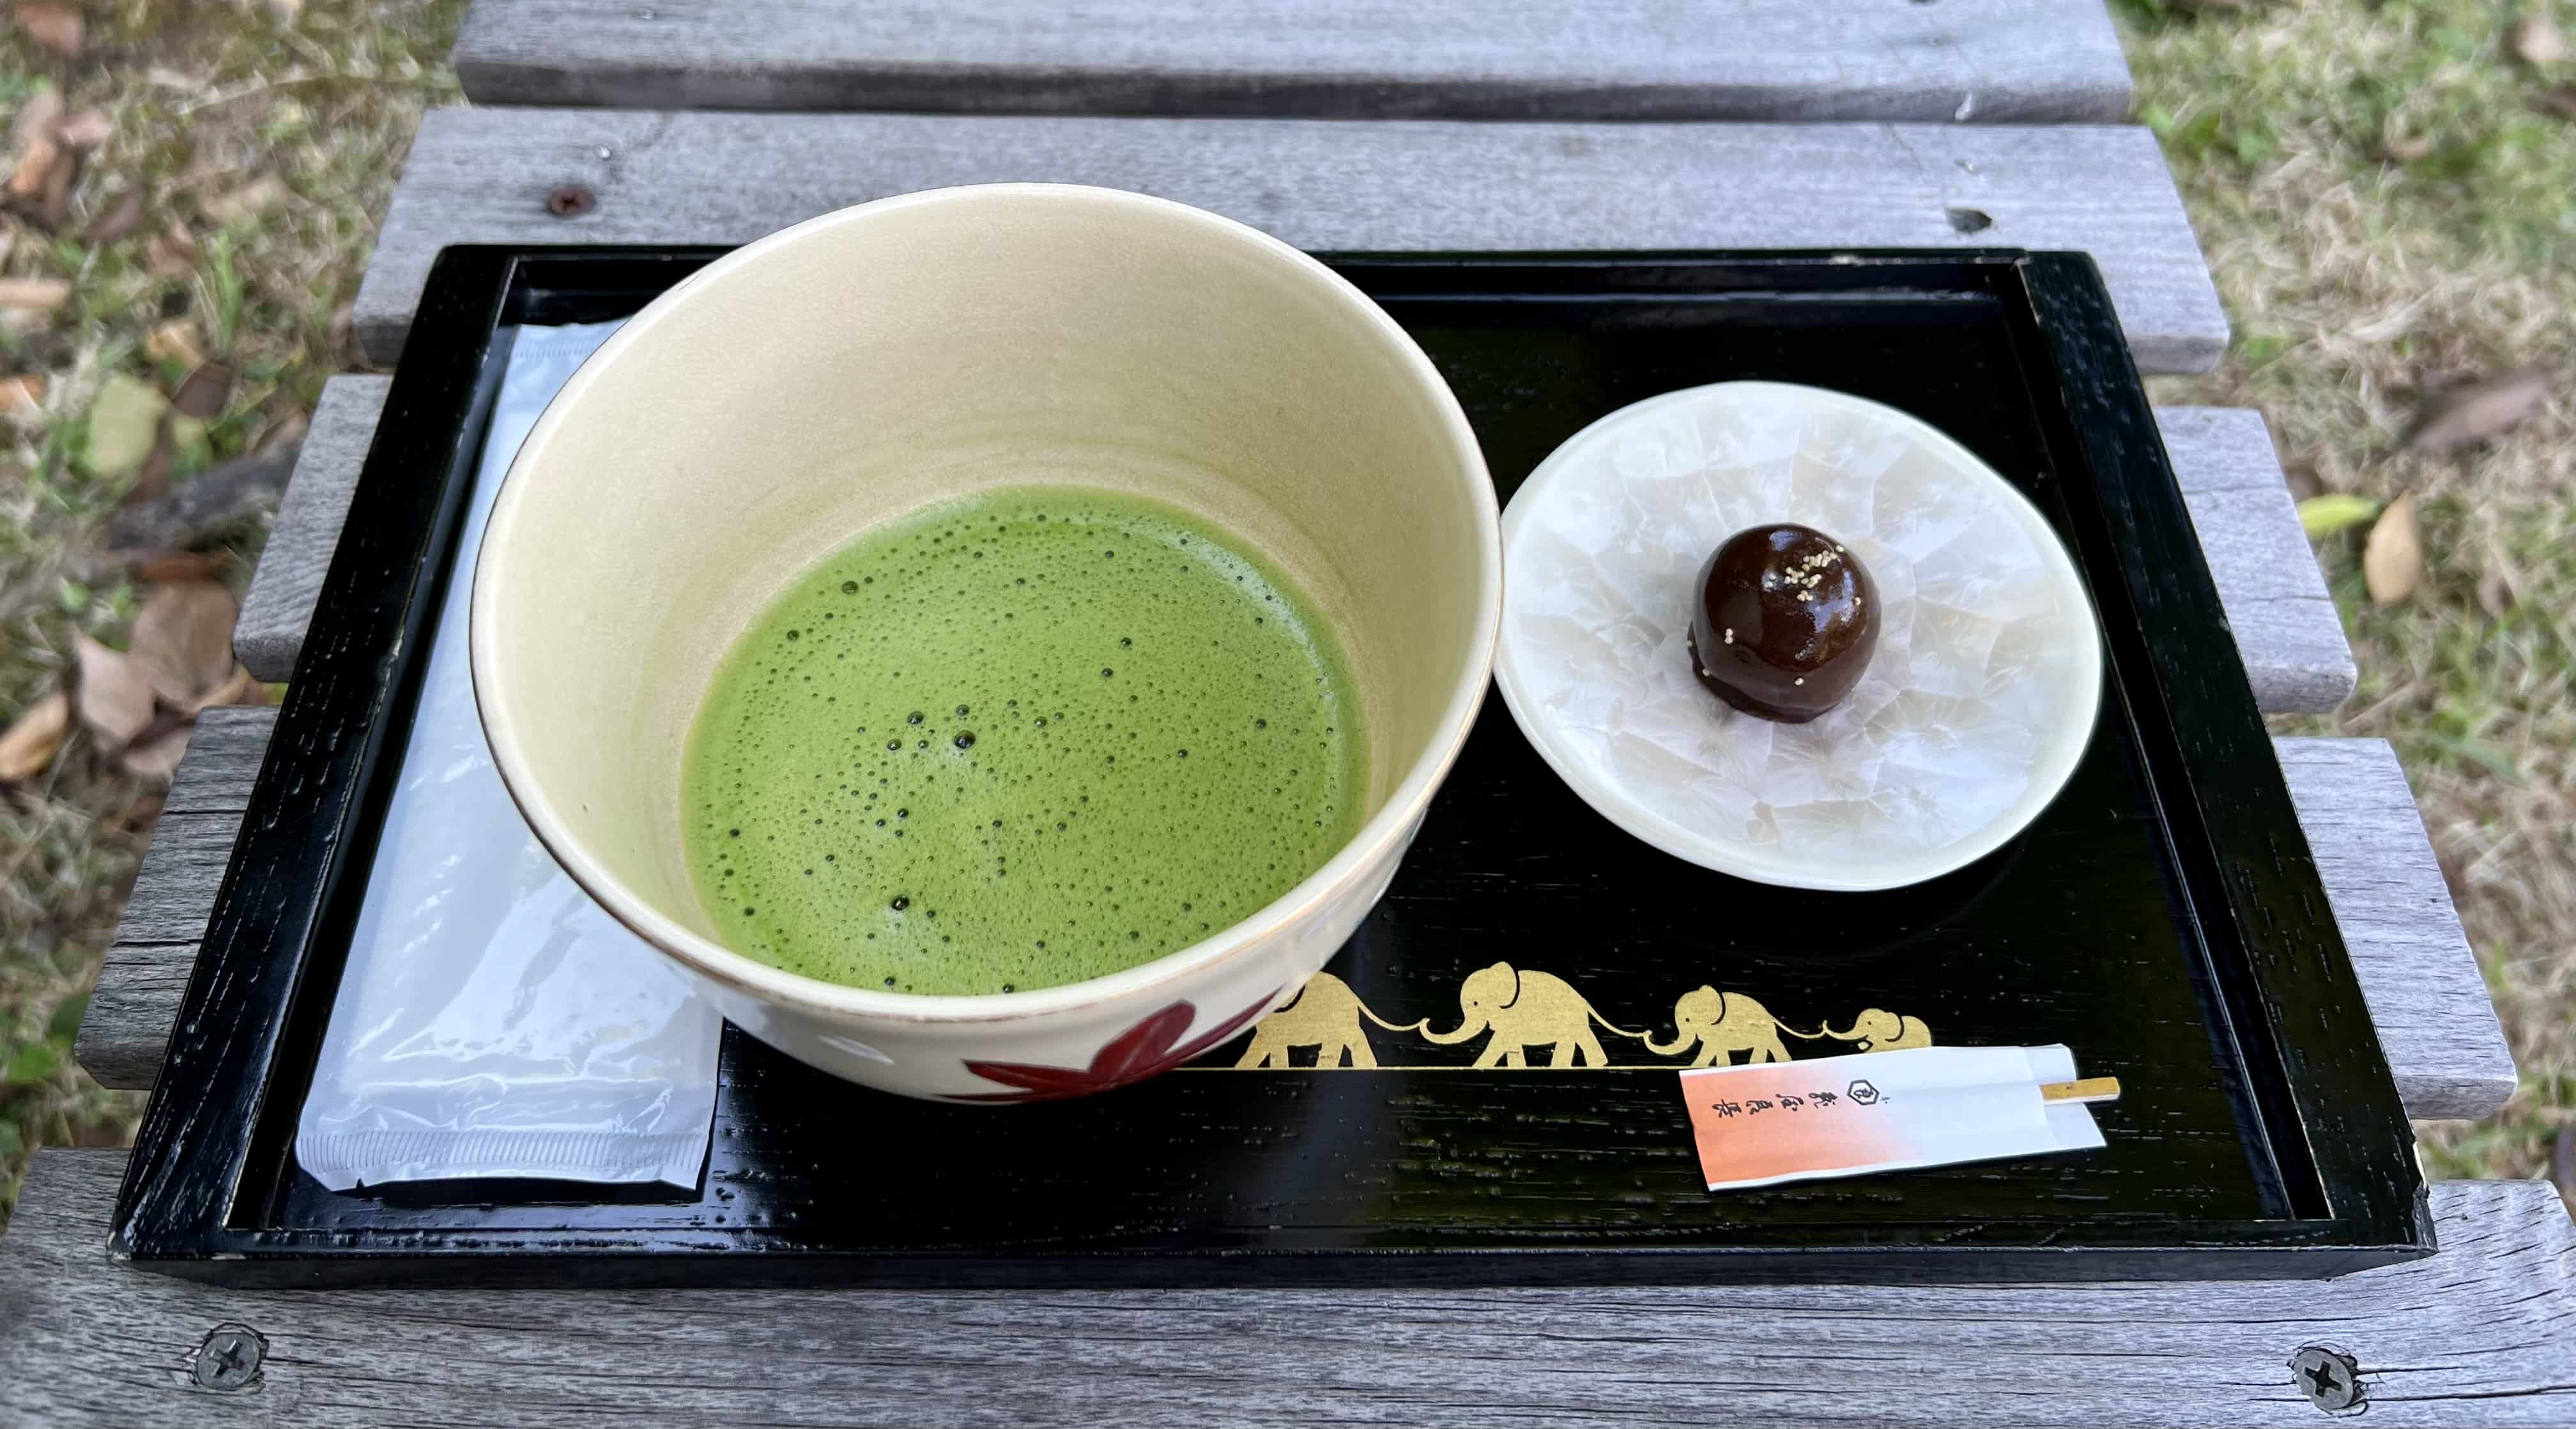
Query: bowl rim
[
  {"x": 1380, "y": 836},
  {"x": 2062, "y": 747}
]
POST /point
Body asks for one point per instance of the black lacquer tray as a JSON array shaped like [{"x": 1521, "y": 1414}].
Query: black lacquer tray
[{"x": 2163, "y": 918}]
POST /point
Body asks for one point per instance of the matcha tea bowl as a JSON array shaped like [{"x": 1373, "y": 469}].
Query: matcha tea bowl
[{"x": 999, "y": 641}]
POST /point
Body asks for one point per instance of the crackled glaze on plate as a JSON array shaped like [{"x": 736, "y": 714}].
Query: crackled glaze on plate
[{"x": 1975, "y": 709}]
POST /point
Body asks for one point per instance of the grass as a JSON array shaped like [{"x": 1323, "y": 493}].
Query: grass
[
  {"x": 208, "y": 100},
  {"x": 2354, "y": 280}
]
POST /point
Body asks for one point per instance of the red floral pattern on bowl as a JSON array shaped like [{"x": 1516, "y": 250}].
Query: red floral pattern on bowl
[{"x": 1150, "y": 1046}]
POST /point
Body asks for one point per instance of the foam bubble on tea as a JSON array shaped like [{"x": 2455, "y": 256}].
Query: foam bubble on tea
[{"x": 1016, "y": 741}]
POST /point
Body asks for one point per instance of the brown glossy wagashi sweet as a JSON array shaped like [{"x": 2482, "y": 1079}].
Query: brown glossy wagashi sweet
[{"x": 1784, "y": 624}]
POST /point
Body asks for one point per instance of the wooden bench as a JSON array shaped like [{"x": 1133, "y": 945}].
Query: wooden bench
[
  {"x": 1307, "y": 117},
  {"x": 1989, "y": 61},
  {"x": 2480, "y": 1334}
]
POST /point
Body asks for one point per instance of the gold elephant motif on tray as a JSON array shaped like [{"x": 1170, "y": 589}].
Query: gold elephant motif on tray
[
  {"x": 1525, "y": 1009},
  {"x": 1722, "y": 1024},
  {"x": 1522, "y": 1009},
  {"x": 1878, "y": 1030},
  {"x": 1325, "y": 1016}
]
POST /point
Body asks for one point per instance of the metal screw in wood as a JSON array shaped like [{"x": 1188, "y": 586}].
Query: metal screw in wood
[
  {"x": 2329, "y": 1378},
  {"x": 571, "y": 201},
  {"x": 229, "y": 1359}
]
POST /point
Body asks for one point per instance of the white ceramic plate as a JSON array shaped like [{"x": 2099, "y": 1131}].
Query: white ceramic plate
[{"x": 1975, "y": 709}]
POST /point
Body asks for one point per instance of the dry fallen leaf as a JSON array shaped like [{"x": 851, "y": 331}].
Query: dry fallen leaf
[
  {"x": 124, "y": 425},
  {"x": 57, "y": 27},
  {"x": 83, "y": 129},
  {"x": 2322, "y": 516},
  {"x": 29, "y": 745},
  {"x": 183, "y": 640},
  {"x": 261, "y": 195},
  {"x": 242, "y": 688},
  {"x": 168, "y": 567},
  {"x": 171, "y": 252},
  {"x": 50, "y": 145},
  {"x": 31, "y": 134},
  {"x": 174, "y": 341},
  {"x": 2558, "y": 99},
  {"x": 188, "y": 435},
  {"x": 2495, "y": 593},
  {"x": 34, "y": 170},
  {"x": 120, "y": 220},
  {"x": 2536, "y": 41},
  {"x": 115, "y": 698},
  {"x": 204, "y": 393},
  {"x": 2471, "y": 412},
  {"x": 55, "y": 203},
  {"x": 35, "y": 294},
  {"x": 157, "y": 755},
  {"x": 2392, "y": 560},
  {"x": 23, "y": 393}
]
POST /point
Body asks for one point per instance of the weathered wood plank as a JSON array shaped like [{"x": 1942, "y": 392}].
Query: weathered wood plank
[
  {"x": 2287, "y": 631},
  {"x": 2417, "y": 972},
  {"x": 289, "y": 579},
  {"x": 144, "y": 976},
  {"x": 2275, "y": 596},
  {"x": 1999, "y": 61},
  {"x": 484, "y": 175},
  {"x": 2435, "y": 1022},
  {"x": 2483, "y": 1333}
]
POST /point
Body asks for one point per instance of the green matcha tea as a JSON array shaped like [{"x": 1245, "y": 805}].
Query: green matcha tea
[{"x": 1016, "y": 741}]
